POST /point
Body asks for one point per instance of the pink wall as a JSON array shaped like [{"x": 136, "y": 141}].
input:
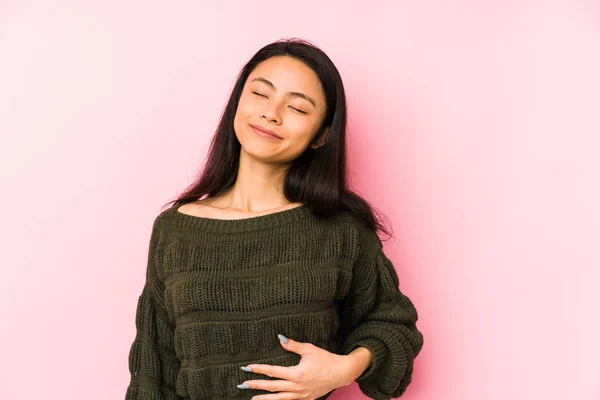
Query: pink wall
[{"x": 474, "y": 126}]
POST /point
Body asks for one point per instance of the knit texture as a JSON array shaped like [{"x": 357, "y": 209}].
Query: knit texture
[{"x": 217, "y": 293}]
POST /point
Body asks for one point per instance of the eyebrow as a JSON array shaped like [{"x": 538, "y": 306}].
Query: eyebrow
[{"x": 291, "y": 94}]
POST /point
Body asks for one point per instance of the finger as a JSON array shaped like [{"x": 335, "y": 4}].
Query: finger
[
  {"x": 295, "y": 346},
  {"x": 277, "y": 396},
  {"x": 275, "y": 371},
  {"x": 271, "y": 385}
]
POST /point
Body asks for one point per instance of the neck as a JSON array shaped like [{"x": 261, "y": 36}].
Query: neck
[{"x": 258, "y": 187}]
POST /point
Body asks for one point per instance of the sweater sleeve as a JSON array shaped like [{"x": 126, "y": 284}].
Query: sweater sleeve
[
  {"x": 153, "y": 364},
  {"x": 378, "y": 316}
]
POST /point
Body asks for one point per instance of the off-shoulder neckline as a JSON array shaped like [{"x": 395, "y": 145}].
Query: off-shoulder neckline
[{"x": 258, "y": 222}]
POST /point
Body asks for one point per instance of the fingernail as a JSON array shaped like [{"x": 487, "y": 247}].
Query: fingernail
[
  {"x": 282, "y": 338},
  {"x": 243, "y": 386},
  {"x": 247, "y": 369}
]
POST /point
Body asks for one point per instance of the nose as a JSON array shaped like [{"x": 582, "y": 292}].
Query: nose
[{"x": 271, "y": 115}]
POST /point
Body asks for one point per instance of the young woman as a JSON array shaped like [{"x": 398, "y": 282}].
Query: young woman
[{"x": 266, "y": 278}]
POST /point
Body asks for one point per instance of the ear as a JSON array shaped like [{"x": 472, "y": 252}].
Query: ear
[{"x": 321, "y": 141}]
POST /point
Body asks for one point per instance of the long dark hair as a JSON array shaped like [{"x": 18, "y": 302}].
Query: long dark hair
[{"x": 318, "y": 177}]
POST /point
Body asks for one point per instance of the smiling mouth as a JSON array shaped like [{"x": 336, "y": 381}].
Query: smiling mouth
[{"x": 263, "y": 133}]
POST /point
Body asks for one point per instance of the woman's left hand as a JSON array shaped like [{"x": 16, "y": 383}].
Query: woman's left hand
[{"x": 318, "y": 373}]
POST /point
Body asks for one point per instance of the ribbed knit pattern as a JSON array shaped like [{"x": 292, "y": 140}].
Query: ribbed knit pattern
[{"x": 217, "y": 293}]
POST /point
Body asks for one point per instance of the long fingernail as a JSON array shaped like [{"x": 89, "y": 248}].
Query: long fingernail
[
  {"x": 247, "y": 369},
  {"x": 243, "y": 386},
  {"x": 282, "y": 338}
]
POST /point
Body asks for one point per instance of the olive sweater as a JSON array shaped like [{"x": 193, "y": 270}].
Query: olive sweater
[{"x": 217, "y": 292}]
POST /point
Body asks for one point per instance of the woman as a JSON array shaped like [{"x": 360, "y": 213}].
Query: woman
[{"x": 270, "y": 244}]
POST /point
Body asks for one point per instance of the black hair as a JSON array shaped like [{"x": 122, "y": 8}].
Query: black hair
[{"x": 318, "y": 177}]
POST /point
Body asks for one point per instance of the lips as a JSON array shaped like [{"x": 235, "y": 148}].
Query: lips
[{"x": 265, "y": 132}]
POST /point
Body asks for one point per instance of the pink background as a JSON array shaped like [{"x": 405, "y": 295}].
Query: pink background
[{"x": 474, "y": 125}]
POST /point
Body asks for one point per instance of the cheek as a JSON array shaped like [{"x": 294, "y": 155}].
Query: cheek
[
  {"x": 247, "y": 106},
  {"x": 302, "y": 128},
  {"x": 244, "y": 111}
]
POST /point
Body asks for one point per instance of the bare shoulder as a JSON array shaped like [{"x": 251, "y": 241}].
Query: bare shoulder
[{"x": 199, "y": 208}]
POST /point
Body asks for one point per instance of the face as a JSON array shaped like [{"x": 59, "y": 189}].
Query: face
[{"x": 284, "y": 96}]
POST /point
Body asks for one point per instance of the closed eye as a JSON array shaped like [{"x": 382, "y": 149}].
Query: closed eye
[
  {"x": 293, "y": 108},
  {"x": 300, "y": 111}
]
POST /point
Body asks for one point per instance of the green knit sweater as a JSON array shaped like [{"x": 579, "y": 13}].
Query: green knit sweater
[{"x": 217, "y": 293}]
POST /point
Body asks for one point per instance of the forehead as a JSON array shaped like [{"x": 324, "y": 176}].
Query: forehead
[{"x": 289, "y": 74}]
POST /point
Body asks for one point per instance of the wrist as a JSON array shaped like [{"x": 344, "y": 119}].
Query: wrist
[{"x": 358, "y": 361}]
